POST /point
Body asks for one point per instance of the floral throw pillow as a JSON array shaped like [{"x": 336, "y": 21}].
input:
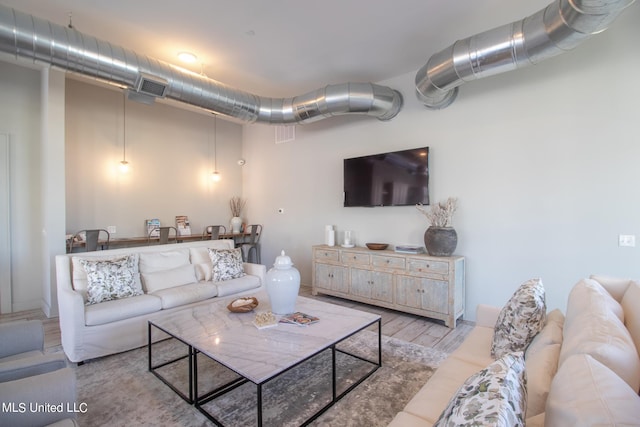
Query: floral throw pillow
[
  {"x": 495, "y": 396},
  {"x": 520, "y": 320},
  {"x": 227, "y": 264},
  {"x": 111, "y": 279}
]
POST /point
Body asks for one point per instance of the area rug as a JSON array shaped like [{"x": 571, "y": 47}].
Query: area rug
[{"x": 119, "y": 390}]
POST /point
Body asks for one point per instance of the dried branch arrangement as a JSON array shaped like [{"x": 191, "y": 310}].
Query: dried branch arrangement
[
  {"x": 236, "y": 204},
  {"x": 440, "y": 215}
]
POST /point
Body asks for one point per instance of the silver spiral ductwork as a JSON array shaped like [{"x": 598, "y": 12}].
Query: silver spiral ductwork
[
  {"x": 30, "y": 37},
  {"x": 559, "y": 27}
]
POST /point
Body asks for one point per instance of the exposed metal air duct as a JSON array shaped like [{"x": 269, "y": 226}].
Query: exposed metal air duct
[
  {"x": 30, "y": 37},
  {"x": 559, "y": 27}
]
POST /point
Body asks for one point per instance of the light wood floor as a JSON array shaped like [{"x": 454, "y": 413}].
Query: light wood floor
[{"x": 407, "y": 327}]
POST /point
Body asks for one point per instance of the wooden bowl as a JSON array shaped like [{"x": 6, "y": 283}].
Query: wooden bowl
[
  {"x": 243, "y": 308},
  {"x": 377, "y": 246}
]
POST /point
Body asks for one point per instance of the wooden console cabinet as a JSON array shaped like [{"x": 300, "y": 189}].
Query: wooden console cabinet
[{"x": 413, "y": 283}]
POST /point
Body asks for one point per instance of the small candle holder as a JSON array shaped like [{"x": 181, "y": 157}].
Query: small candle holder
[{"x": 348, "y": 240}]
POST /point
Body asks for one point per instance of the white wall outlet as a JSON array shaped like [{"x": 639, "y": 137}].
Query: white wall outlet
[
  {"x": 111, "y": 229},
  {"x": 627, "y": 240}
]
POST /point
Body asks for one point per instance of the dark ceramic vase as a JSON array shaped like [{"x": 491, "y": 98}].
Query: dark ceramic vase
[{"x": 440, "y": 241}]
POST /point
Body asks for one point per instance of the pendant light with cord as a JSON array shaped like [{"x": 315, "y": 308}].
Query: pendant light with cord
[
  {"x": 124, "y": 165},
  {"x": 215, "y": 175}
]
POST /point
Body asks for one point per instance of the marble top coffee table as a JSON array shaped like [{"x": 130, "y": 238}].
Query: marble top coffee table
[{"x": 260, "y": 355}]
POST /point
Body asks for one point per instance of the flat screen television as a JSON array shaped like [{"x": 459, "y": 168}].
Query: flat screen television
[{"x": 397, "y": 178}]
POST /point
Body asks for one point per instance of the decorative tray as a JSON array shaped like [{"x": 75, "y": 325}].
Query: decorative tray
[{"x": 243, "y": 305}]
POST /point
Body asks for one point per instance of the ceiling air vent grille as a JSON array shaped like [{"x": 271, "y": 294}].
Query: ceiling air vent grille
[{"x": 151, "y": 85}]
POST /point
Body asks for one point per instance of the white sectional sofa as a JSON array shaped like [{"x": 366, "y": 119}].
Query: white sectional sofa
[
  {"x": 581, "y": 369},
  {"x": 168, "y": 278}
]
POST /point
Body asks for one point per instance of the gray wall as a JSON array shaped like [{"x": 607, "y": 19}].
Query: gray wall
[
  {"x": 543, "y": 161},
  {"x": 171, "y": 155}
]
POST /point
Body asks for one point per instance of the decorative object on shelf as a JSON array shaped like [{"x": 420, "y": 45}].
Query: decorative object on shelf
[
  {"x": 283, "y": 285},
  {"x": 440, "y": 238},
  {"x": 348, "y": 241},
  {"x": 377, "y": 246},
  {"x": 236, "y": 204},
  {"x": 243, "y": 305},
  {"x": 329, "y": 235}
]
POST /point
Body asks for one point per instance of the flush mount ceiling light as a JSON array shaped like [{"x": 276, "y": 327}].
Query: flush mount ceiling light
[{"x": 187, "y": 57}]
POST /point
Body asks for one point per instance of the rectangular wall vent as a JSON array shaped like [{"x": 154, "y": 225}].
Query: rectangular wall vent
[
  {"x": 151, "y": 85},
  {"x": 285, "y": 134}
]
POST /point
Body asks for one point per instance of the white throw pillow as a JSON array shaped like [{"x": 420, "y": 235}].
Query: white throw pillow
[
  {"x": 168, "y": 278},
  {"x": 495, "y": 396},
  {"x": 520, "y": 320},
  {"x": 227, "y": 264},
  {"x": 202, "y": 262},
  {"x": 585, "y": 392},
  {"x": 111, "y": 279}
]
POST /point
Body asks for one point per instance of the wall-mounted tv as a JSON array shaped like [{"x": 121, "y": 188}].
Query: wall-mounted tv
[{"x": 397, "y": 178}]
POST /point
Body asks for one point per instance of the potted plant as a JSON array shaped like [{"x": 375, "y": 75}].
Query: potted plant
[
  {"x": 440, "y": 238},
  {"x": 236, "y": 204}
]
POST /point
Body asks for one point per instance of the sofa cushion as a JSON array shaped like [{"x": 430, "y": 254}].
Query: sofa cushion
[
  {"x": 541, "y": 360},
  {"x": 429, "y": 402},
  {"x": 593, "y": 327},
  {"x": 585, "y": 291},
  {"x": 112, "y": 311},
  {"x": 476, "y": 347},
  {"x": 227, "y": 264},
  {"x": 495, "y": 396},
  {"x": 631, "y": 315},
  {"x": 163, "y": 279},
  {"x": 157, "y": 261},
  {"x": 405, "y": 419},
  {"x": 614, "y": 285},
  {"x": 186, "y": 294},
  {"x": 520, "y": 320},
  {"x": 541, "y": 368},
  {"x": 240, "y": 284},
  {"x": 111, "y": 279},
  {"x": 551, "y": 333},
  {"x": 585, "y": 392}
]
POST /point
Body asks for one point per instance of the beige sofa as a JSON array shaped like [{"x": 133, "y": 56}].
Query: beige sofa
[
  {"x": 582, "y": 369},
  {"x": 172, "y": 277}
]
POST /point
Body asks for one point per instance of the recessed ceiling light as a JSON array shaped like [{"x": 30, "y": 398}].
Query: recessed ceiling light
[{"x": 187, "y": 57}]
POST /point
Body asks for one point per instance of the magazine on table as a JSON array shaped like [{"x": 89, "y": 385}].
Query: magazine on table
[{"x": 299, "y": 318}]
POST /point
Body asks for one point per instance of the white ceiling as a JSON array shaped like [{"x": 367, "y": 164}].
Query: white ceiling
[{"x": 285, "y": 47}]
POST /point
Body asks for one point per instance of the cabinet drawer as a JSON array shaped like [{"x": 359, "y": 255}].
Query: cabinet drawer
[
  {"x": 355, "y": 258},
  {"x": 428, "y": 266},
  {"x": 387, "y": 262},
  {"x": 327, "y": 255}
]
